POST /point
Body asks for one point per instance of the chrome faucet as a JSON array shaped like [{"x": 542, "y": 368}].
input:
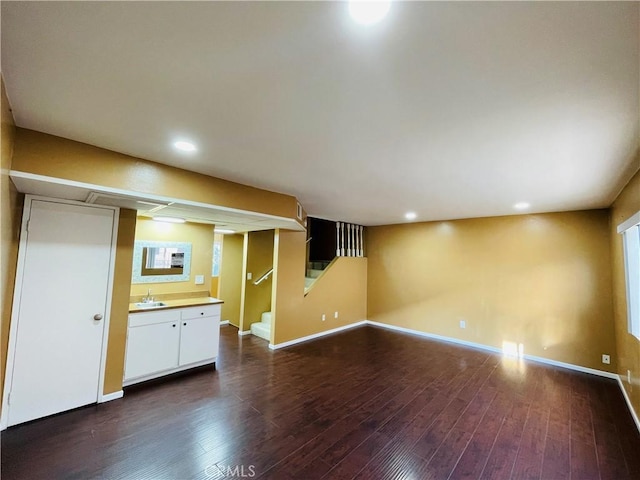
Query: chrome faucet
[{"x": 148, "y": 298}]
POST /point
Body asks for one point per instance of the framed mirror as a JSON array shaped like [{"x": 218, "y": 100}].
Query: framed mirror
[{"x": 157, "y": 262}]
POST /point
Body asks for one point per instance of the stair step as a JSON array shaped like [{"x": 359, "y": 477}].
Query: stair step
[
  {"x": 266, "y": 318},
  {"x": 308, "y": 281},
  {"x": 262, "y": 330}
]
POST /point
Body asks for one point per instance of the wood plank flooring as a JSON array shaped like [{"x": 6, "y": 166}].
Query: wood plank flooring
[{"x": 365, "y": 404}]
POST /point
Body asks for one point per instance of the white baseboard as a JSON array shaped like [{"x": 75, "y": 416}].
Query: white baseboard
[
  {"x": 570, "y": 366},
  {"x": 316, "y": 335},
  {"x": 489, "y": 348},
  {"x": 629, "y": 405},
  {"x": 246, "y": 332},
  {"x": 434, "y": 336},
  {"x": 110, "y": 396},
  {"x": 224, "y": 322}
]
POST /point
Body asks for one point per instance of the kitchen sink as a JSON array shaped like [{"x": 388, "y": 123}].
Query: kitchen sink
[{"x": 150, "y": 304}]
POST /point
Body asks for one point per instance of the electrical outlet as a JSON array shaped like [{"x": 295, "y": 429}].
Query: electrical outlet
[
  {"x": 463, "y": 324},
  {"x": 606, "y": 359},
  {"x": 199, "y": 280},
  {"x": 324, "y": 317},
  {"x": 629, "y": 377},
  {"x": 335, "y": 315}
]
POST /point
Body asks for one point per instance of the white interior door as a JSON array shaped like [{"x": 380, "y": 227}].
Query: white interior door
[{"x": 60, "y": 323}]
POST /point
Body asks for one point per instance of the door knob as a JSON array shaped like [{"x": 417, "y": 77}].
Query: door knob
[{"x": 97, "y": 316}]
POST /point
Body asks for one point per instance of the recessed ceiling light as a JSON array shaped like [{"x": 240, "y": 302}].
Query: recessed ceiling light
[
  {"x": 223, "y": 231},
  {"x": 410, "y": 215},
  {"x": 184, "y": 146},
  {"x": 169, "y": 219},
  {"x": 522, "y": 205},
  {"x": 368, "y": 12}
]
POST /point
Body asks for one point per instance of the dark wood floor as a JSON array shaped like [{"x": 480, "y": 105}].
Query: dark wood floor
[{"x": 365, "y": 404}]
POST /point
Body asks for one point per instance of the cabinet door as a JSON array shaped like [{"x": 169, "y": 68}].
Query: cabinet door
[
  {"x": 199, "y": 339},
  {"x": 151, "y": 349}
]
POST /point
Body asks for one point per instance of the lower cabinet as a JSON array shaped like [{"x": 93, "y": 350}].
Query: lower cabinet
[
  {"x": 167, "y": 341},
  {"x": 199, "y": 338},
  {"x": 151, "y": 349}
]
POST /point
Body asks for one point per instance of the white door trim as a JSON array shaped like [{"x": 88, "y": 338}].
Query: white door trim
[
  {"x": 17, "y": 294},
  {"x": 107, "y": 320}
]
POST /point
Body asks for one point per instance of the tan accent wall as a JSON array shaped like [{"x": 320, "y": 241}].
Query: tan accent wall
[
  {"x": 627, "y": 204},
  {"x": 342, "y": 289},
  {"x": 543, "y": 281},
  {"x": 201, "y": 238},
  {"x": 117, "y": 339},
  {"x": 11, "y": 204},
  {"x": 257, "y": 298},
  {"x": 48, "y": 155},
  {"x": 231, "y": 278}
]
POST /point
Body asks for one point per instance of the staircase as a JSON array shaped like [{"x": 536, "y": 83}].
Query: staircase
[
  {"x": 262, "y": 328},
  {"x": 314, "y": 270}
]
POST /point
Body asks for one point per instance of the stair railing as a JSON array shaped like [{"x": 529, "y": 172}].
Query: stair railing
[
  {"x": 263, "y": 277},
  {"x": 353, "y": 246}
]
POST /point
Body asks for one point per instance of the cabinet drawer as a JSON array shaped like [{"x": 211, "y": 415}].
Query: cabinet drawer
[
  {"x": 203, "y": 311},
  {"x": 150, "y": 318}
]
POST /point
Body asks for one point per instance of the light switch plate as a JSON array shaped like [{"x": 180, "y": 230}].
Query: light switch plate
[{"x": 199, "y": 279}]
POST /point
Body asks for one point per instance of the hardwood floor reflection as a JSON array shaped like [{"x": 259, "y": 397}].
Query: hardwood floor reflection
[{"x": 366, "y": 404}]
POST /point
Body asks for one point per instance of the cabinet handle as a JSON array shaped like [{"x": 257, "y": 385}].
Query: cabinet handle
[
  {"x": 173, "y": 325},
  {"x": 201, "y": 313},
  {"x": 185, "y": 324}
]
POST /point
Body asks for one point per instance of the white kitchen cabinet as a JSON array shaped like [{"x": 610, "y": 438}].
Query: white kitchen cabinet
[
  {"x": 166, "y": 341},
  {"x": 198, "y": 339},
  {"x": 152, "y": 348}
]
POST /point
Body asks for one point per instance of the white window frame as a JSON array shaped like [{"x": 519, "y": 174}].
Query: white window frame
[{"x": 630, "y": 231}]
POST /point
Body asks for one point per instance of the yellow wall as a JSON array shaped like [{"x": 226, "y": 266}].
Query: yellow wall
[
  {"x": 48, "y": 155},
  {"x": 201, "y": 238},
  {"x": 342, "y": 288},
  {"x": 627, "y": 204},
  {"x": 257, "y": 298},
  {"x": 231, "y": 278},
  {"x": 11, "y": 203},
  {"x": 117, "y": 339},
  {"x": 540, "y": 280},
  {"x": 215, "y": 287}
]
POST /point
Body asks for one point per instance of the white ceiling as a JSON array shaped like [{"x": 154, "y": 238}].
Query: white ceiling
[{"x": 451, "y": 110}]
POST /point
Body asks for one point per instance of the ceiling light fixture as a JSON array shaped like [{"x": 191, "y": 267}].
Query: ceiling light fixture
[
  {"x": 522, "y": 205},
  {"x": 184, "y": 146},
  {"x": 410, "y": 215},
  {"x": 223, "y": 231},
  {"x": 169, "y": 219},
  {"x": 368, "y": 12}
]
